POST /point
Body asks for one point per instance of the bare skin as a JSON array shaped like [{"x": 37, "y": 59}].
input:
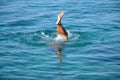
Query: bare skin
[
  {"x": 62, "y": 32},
  {"x": 60, "y": 29}
]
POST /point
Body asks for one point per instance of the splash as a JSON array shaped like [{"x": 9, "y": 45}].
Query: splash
[{"x": 50, "y": 39}]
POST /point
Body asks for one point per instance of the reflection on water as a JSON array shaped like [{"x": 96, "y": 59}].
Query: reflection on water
[
  {"x": 59, "y": 47},
  {"x": 92, "y": 52},
  {"x": 60, "y": 57}
]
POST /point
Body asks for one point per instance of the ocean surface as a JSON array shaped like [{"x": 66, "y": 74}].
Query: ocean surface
[{"x": 28, "y": 50}]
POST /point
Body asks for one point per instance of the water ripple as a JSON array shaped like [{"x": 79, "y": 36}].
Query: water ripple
[{"x": 28, "y": 50}]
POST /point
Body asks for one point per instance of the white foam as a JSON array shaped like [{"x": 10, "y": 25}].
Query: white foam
[
  {"x": 71, "y": 36},
  {"x": 44, "y": 36},
  {"x": 59, "y": 38}
]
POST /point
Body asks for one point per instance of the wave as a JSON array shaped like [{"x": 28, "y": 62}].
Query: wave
[
  {"x": 47, "y": 37},
  {"x": 51, "y": 38}
]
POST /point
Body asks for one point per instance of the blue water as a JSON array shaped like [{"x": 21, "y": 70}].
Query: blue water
[{"x": 28, "y": 50}]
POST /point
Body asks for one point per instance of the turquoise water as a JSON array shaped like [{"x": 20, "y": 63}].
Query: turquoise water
[{"x": 28, "y": 50}]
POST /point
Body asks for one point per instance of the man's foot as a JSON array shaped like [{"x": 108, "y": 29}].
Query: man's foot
[{"x": 60, "y": 15}]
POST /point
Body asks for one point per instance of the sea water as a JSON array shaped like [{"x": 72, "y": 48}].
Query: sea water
[{"x": 28, "y": 50}]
